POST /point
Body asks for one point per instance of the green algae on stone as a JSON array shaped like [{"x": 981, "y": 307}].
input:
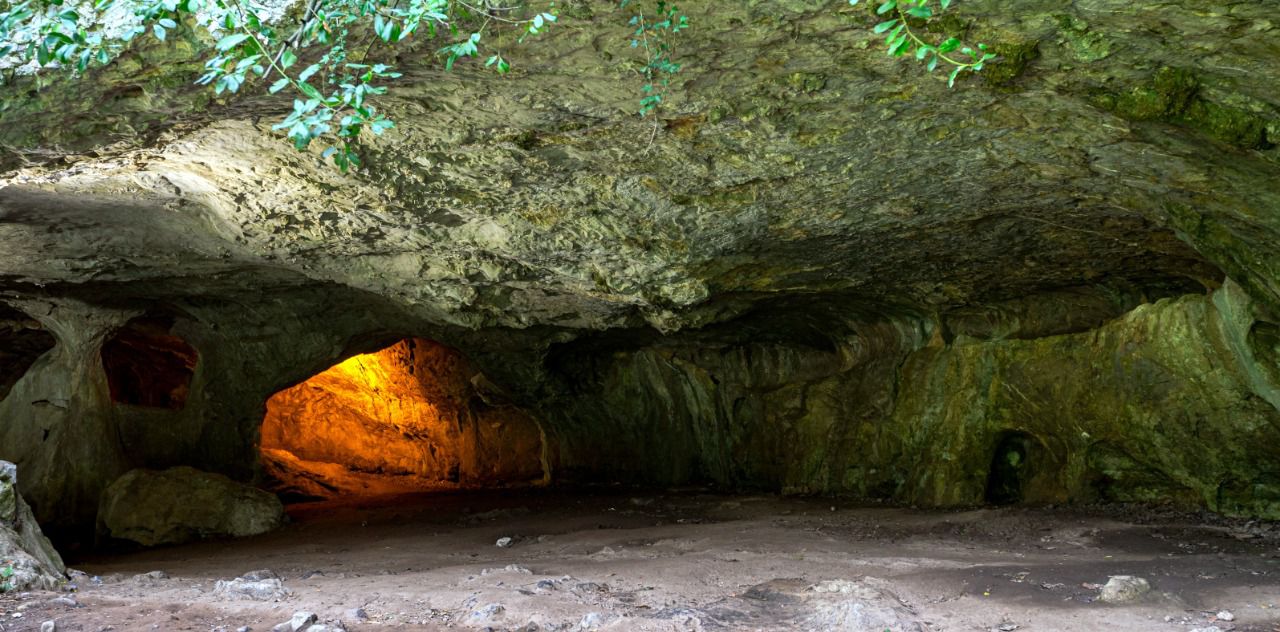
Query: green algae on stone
[{"x": 1173, "y": 96}]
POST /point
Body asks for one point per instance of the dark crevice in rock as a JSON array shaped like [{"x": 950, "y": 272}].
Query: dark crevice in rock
[
  {"x": 22, "y": 341},
  {"x": 147, "y": 365}
]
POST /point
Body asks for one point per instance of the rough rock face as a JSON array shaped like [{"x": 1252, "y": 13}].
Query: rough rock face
[
  {"x": 27, "y": 560},
  {"x": 182, "y": 504},
  {"x": 817, "y": 270},
  {"x": 1135, "y": 410}
]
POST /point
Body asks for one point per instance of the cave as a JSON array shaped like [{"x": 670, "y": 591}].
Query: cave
[
  {"x": 405, "y": 418},
  {"x": 1011, "y": 467},
  {"x": 746, "y": 326}
]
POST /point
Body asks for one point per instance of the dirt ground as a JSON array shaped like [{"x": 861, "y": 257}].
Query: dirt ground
[{"x": 685, "y": 561}]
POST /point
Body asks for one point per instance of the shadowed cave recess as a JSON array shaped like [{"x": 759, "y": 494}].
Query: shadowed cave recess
[{"x": 1073, "y": 302}]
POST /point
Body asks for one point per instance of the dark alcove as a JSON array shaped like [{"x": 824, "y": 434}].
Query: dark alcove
[
  {"x": 22, "y": 341},
  {"x": 146, "y": 365},
  {"x": 1011, "y": 468}
]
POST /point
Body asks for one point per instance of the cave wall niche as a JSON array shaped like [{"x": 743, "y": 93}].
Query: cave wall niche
[
  {"x": 22, "y": 342},
  {"x": 147, "y": 365},
  {"x": 406, "y": 418}
]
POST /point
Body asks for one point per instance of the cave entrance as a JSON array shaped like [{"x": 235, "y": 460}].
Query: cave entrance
[
  {"x": 1011, "y": 468},
  {"x": 405, "y": 418}
]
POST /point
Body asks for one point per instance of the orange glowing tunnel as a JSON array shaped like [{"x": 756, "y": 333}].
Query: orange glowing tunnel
[{"x": 406, "y": 418}]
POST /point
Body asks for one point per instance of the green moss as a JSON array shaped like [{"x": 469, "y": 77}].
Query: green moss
[
  {"x": 1167, "y": 95},
  {"x": 1088, "y": 46},
  {"x": 1228, "y": 125},
  {"x": 1173, "y": 96},
  {"x": 1012, "y": 59}
]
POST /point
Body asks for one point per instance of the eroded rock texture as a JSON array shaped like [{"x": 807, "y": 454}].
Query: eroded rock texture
[
  {"x": 27, "y": 560},
  {"x": 182, "y": 504},
  {"x": 821, "y": 271}
]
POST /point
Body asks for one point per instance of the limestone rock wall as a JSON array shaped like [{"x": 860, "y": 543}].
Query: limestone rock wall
[
  {"x": 817, "y": 269},
  {"x": 1171, "y": 402}
]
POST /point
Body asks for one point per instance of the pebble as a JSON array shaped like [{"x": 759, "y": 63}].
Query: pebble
[
  {"x": 1212, "y": 628},
  {"x": 71, "y": 603},
  {"x": 48, "y": 626},
  {"x": 1225, "y": 615},
  {"x": 504, "y": 542},
  {"x": 244, "y": 628},
  {"x": 357, "y": 614}
]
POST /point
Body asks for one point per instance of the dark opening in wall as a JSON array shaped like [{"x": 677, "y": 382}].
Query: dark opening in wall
[
  {"x": 405, "y": 418},
  {"x": 1011, "y": 468},
  {"x": 146, "y": 365},
  {"x": 22, "y": 341}
]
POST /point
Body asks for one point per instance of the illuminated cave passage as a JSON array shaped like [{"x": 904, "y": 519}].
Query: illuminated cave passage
[{"x": 404, "y": 418}]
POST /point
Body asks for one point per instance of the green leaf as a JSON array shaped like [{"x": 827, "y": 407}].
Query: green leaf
[
  {"x": 887, "y": 7},
  {"x": 309, "y": 90},
  {"x": 884, "y": 26},
  {"x": 159, "y": 32},
  {"x": 231, "y": 41},
  {"x": 308, "y": 71},
  {"x": 278, "y": 85},
  {"x": 288, "y": 59}
]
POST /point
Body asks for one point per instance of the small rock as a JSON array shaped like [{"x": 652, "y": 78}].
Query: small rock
[
  {"x": 244, "y": 628},
  {"x": 1225, "y": 615},
  {"x": 357, "y": 614},
  {"x": 488, "y": 613},
  {"x": 302, "y": 620},
  {"x": 1124, "y": 588},
  {"x": 259, "y": 575},
  {"x": 151, "y": 578},
  {"x": 504, "y": 542},
  {"x": 545, "y": 584},
  {"x": 239, "y": 588},
  {"x": 509, "y": 568},
  {"x": 71, "y": 603},
  {"x": 591, "y": 621},
  {"x": 48, "y": 626},
  {"x": 1212, "y": 628}
]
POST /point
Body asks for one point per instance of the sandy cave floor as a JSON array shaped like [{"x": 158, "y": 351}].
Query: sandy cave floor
[{"x": 688, "y": 561}]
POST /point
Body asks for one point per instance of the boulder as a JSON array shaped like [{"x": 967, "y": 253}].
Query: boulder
[
  {"x": 182, "y": 504},
  {"x": 27, "y": 560}
]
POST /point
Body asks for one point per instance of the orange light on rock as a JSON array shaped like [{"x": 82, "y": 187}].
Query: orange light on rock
[{"x": 405, "y": 418}]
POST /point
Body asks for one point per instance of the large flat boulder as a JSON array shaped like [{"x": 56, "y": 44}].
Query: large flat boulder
[
  {"x": 182, "y": 504},
  {"x": 27, "y": 560}
]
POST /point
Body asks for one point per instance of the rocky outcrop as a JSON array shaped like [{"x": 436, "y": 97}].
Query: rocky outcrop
[
  {"x": 27, "y": 560},
  {"x": 182, "y": 504},
  {"x": 816, "y": 270}
]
